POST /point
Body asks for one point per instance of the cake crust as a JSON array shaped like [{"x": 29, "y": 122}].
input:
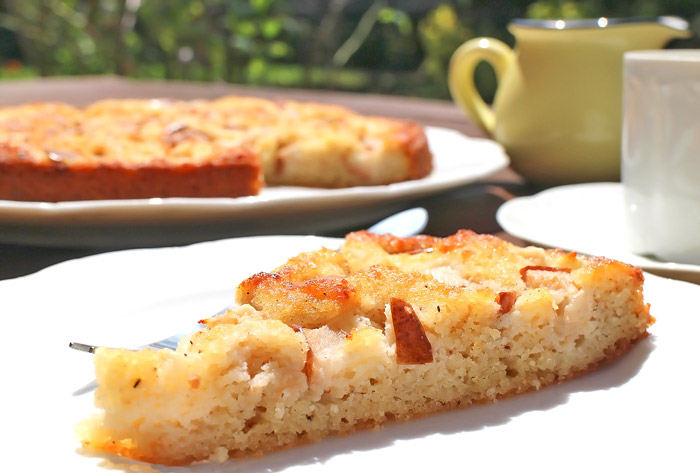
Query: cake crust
[
  {"x": 383, "y": 329},
  {"x": 233, "y": 173}
]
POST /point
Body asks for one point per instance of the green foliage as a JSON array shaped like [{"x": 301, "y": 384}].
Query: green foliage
[
  {"x": 441, "y": 32},
  {"x": 556, "y": 9},
  {"x": 375, "y": 46}
]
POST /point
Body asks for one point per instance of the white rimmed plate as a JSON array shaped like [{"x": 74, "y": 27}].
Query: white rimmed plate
[
  {"x": 458, "y": 160},
  {"x": 587, "y": 218},
  {"x": 638, "y": 413}
]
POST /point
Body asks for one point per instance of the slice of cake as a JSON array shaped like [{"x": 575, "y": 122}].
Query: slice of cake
[
  {"x": 382, "y": 329},
  {"x": 229, "y": 147}
]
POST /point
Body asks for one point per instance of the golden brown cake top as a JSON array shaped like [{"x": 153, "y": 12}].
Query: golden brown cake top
[
  {"x": 328, "y": 287},
  {"x": 137, "y": 131}
]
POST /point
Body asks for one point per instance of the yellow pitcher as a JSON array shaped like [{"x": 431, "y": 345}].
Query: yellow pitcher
[{"x": 558, "y": 104}]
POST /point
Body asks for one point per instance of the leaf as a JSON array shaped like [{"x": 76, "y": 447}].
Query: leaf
[
  {"x": 271, "y": 28},
  {"x": 261, "y": 6},
  {"x": 246, "y": 28},
  {"x": 278, "y": 49}
]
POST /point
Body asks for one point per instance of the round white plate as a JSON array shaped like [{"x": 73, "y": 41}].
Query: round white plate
[
  {"x": 636, "y": 414},
  {"x": 587, "y": 218},
  {"x": 458, "y": 160}
]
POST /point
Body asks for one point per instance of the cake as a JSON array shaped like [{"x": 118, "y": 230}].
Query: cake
[
  {"x": 228, "y": 147},
  {"x": 382, "y": 329}
]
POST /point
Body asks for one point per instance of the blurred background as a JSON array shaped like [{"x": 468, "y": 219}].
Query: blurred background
[{"x": 379, "y": 46}]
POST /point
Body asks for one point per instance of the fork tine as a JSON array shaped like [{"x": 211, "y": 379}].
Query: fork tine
[
  {"x": 82, "y": 347},
  {"x": 170, "y": 342}
]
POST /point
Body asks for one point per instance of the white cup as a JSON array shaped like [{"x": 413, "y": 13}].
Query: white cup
[{"x": 661, "y": 153}]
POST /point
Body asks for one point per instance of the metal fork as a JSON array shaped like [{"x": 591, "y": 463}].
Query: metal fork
[{"x": 170, "y": 342}]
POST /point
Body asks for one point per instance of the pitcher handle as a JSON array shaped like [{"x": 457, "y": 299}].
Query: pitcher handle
[{"x": 461, "y": 76}]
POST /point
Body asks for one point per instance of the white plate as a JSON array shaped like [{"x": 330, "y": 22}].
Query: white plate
[
  {"x": 637, "y": 414},
  {"x": 587, "y": 218},
  {"x": 458, "y": 160}
]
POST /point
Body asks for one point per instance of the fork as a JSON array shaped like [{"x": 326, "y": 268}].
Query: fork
[
  {"x": 170, "y": 342},
  {"x": 406, "y": 223}
]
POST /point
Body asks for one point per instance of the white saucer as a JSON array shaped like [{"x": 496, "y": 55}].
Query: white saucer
[{"x": 587, "y": 218}]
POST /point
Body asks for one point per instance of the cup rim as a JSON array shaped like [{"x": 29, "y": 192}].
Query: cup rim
[
  {"x": 670, "y": 55},
  {"x": 673, "y": 22}
]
